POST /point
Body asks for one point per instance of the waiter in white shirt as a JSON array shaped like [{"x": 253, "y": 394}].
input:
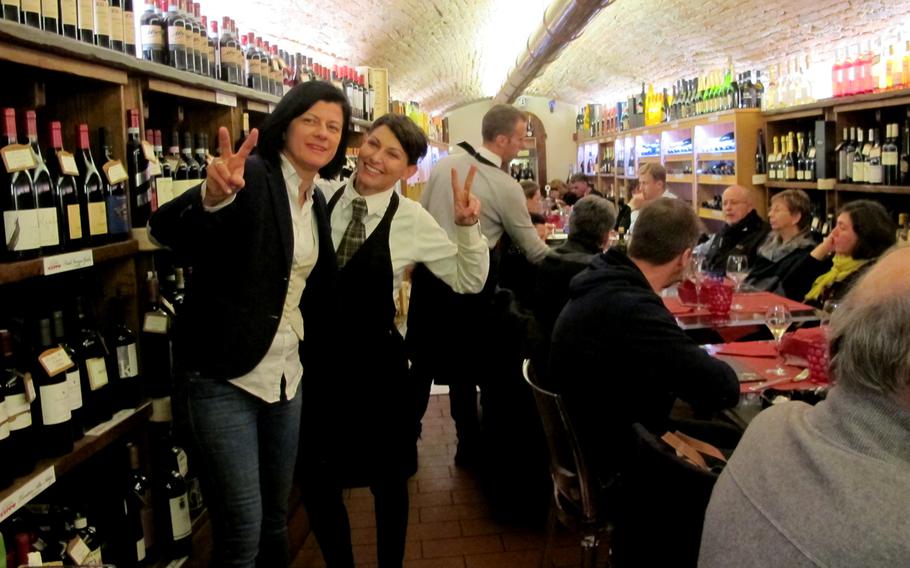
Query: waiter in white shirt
[
  {"x": 366, "y": 434},
  {"x": 652, "y": 185},
  {"x": 437, "y": 318}
]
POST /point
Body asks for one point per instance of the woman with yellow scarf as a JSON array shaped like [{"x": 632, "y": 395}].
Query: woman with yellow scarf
[{"x": 864, "y": 230}]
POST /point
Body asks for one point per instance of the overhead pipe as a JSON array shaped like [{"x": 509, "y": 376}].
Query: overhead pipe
[{"x": 563, "y": 21}]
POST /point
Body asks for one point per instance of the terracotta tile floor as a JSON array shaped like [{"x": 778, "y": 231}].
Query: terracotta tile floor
[{"x": 450, "y": 524}]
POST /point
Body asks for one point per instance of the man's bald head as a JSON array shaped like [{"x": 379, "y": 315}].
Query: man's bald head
[
  {"x": 737, "y": 201},
  {"x": 870, "y": 331}
]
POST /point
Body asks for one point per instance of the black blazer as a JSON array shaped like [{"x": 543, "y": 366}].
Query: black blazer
[{"x": 241, "y": 259}]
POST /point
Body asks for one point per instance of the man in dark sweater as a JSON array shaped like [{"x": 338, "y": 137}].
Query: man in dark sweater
[
  {"x": 744, "y": 232},
  {"x": 618, "y": 356}
]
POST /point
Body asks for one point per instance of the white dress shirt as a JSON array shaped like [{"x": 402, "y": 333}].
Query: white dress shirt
[
  {"x": 415, "y": 237},
  {"x": 283, "y": 357}
]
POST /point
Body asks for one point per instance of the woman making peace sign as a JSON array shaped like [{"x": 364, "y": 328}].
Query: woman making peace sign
[{"x": 257, "y": 235}]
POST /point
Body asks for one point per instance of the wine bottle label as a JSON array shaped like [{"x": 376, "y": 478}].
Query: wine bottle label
[
  {"x": 118, "y": 220},
  {"x": 4, "y": 423},
  {"x": 9, "y": 3},
  {"x": 889, "y": 158},
  {"x": 859, "y": 172},
  {"x": 47, "y": 227},
  {"x": 97, "y": 218},
  {"x": 180, "y": 517},
  {"x": 74, "y": 218},
  {"x": 129, "y": 27},
  {"x": 127, "y": 362},
  {"x": 179, "y": 186},
  {"x": 31, "y": 6},
  {"x": 253, "y": 66},
  {"x": 161, "y": 410},
  {"x": 86, "y": 14},
  {"x": 874, "y": 174},
  {"x": 905, "y": 166},
  {"x": 155, "y": 322},
  {"x": 176, "y": 36},
  {"x": 149, "y": 151},
  {"x": 19, "y": 411},
  {"x": 55, "y": 408},
  {"x": 153, "y": 170},
  {"x": 115, "y": 172},
  {"x": 165, "y": 190},
  {"x": 78, "y": 551},
  {"x": 22, "y": 233},
  {"x": 94, "y": 558},
  {"x": 140, "y": 549},
  {"x": 116, "y": 23},
  {"x": 102, "y": 18},
  {"x": 97, "y": 372},
  {"x": 74, "y": 389},
  {"x": 183, "y": 466},
  {"x": 152, "y": 36},
  {"x": 67, "y": 163},
  {"x": 30, "y": 394},
  {"x": 18, "y": 157},
  {"x": 68, "y": 12},
  {"x": 55, "y": 361}
]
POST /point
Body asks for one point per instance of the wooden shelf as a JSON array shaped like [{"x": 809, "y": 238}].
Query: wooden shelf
[
  {"x": 709, "y": 179},
  {"x": 792, "y": 184},
  {"x": 22, "y": 270},
  {"x": 796, "y": 114},
  {"x": 678, "y": 158},
  {"x": 862, "y": 188},
  {"x": 649, "y": 159},
  {"x": 712, "y": 214},
  {"x": 680, "y": 178},
  {"x": 716, "y": 156},
  {"x": 29, "y": 46},
  {"x": 897, "y": 97},
  {"x": 14, "y": 497}
]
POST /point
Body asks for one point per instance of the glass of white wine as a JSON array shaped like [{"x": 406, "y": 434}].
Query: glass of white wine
[
  {"x": 778, "y": 319},
  {"x": 737, "y": 271},
  {"x": 697, "y": 274}
]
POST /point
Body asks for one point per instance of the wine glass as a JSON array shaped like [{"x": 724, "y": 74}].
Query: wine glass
[
  {"x": 697, "y": 275},
  {"x": 737, "y": 271},
  {"x": 778, "y": 319}
]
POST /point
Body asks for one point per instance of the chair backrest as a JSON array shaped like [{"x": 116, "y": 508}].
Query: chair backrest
[{"x": 571, "y": 476}]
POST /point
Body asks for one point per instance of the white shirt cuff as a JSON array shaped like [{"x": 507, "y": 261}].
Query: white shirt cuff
[{"x": 218, "y": 207}]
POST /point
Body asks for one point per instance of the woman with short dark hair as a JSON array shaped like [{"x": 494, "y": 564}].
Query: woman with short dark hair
[
  {"x": 863, "y": 232},
  {"x": 788, "y": 243},
  {"x": 258, "y": 238}
]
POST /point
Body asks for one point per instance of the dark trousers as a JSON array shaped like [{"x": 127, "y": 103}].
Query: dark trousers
[
  {"x": 329, "y": 520},
  {"x": 462, "y": 403}
]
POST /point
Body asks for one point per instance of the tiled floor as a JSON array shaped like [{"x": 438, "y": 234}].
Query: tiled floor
[{"x": 450, "y": 524}]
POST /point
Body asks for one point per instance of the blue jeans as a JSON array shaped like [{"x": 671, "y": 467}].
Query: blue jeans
[{"x": 248, "y": 449}]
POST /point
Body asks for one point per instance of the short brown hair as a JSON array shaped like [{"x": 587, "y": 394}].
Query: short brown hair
[
  {"x": 664, "y": 229},
  {"x": 409, "y": 135},
  {"x": 657, "y": 171},
  {"x": 500, "y": 120},
  {"x": 530, "y": 188},
  {"x": 580, "y": 177},
  {"x": 797, "y": 201}
]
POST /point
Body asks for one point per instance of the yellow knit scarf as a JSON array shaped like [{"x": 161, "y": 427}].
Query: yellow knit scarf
[{"x": 843, "y": 267}]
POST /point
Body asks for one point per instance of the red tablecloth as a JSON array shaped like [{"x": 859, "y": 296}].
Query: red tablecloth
[
  {"x": 751, "y": 302},
  {"x": 758, "y": 357},
  {"x": 748, "y": 349}
]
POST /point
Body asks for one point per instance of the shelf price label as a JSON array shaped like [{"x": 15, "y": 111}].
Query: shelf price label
[
  {"x": 27, "y": 492},
  {"x": 225, "y": 99},
  {"x": 67, "y": 261}
]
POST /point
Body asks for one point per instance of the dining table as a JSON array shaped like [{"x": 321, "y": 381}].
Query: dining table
[{"x": 748, "y": 309}]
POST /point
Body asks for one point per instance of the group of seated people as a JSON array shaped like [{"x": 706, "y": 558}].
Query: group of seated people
[{"x": 617, "y": 356}]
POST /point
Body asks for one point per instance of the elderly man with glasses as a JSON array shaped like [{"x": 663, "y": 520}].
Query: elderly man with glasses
[{"x": 743, "y": 233}]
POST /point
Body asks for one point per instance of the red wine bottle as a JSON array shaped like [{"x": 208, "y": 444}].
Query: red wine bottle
[
  {"x": 64, "y": 172},
  {"x": 49, "y": 214},
  {"x": 115, "y": 178},
  {"x": 50, "y": 16},
  {"x": 18, "y": 409},
  {"x": 18, "y": 201},
  {"x": 93, "y": 370},
  {"x": 54, "y": 428},
  {"x": 137, "y": 510},
  {"x": 30, "y": 12},
  {"x": 73, "y": 375},
  {"x": 127, "y": 385},
  {"x": 129, "y": 28},
  {"x": 6, "y": 474},
  {"x": 10, "y": 11},
  {"x": 93, "y": 197},
  {"x": 176, "y": 527},
  {"x": 102, "y": 11},
  {"x": 137, "y": 166}
]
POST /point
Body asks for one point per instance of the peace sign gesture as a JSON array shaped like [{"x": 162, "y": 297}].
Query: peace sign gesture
[
  {"x": 467, "y": 207},
  {"x": 224, "y": 175}
]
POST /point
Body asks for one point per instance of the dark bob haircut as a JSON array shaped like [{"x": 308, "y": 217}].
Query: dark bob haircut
[
  {"x": 409, "y": 135},
  {"x": 296, "y": 102},
  {"x": 875, "y": 231}
]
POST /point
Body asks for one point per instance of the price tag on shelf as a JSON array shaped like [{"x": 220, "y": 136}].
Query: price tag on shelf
[
  {"x": 225, "y": 99},
  {"x": 759, "y": 179},
  {"x": 713, "y": 118},
  {"x": 115, "y": 172},
  {"x": 67, "y": 163},
  {"x": 67, "y": 261},
  {"x": 18, "y": 157},
  {"x": 27, "y": 492},
  {"x": 117, "y": 418},
  {"x": 55, "y": 361}
]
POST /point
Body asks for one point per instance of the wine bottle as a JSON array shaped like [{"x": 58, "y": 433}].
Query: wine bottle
[
  {"x": 69, "y": 19},
  {"x": 790, "y": 160},
  {"x": 196, "y": 40},
  {"x": 102, "y": 19},
  {"x": 213, "y": 47},
  {"x": 905, "y": 151},
  {"x": 50, "y": 16},
  {"x": 760, "y": 158},
  {"x": 156, "y": 363},
  {"x": 30, "y": 13},
  {"x": 139, "y": 179},
  {"x": 153, "y": 168},
  {"x": 231, "y": 58},
  {"x": 93, "y": 370},
  {"x": 92, "y": 192},
  {"x": 850, "y": 150},
  {"x": 10, "y": 10},
  {"x": 152, "y": 28},
  {"x": 874, "y": 173},
  {"x": 129, "y": 28},
  {"x": 64, "y": 172},
  {"x": 117, "y": 32},
  {"x": 137, "y": 511},
  {"x": 251, "y": 63},
  {"x": 19, "y": 397},
  {"x": 773, "y": 165},
  {"x": 202, "y": 41},
  {"x": 810, "y": 158},
  {"x": 201, "y": 154},
  {"x": 85, "y": 15},
  {"x": 841, "y": 150},
  {"x": 92, "y": 541},
  {"x": 54, "y": 429},
  {"x": 6, "y": 475},
  {"x": 859, "y": 159},
  {"x": 187, "y": 156},
  {"x": 19, "y": 202},
  {"x": 176, "y": 528},
  {"x": 49, "y": 214},
  {"x": 891, "y": 173},
  {"x": 800, "y": 158},
  {"x": 115, "y": 178},
  {"x": 73, "y": 375},
  {"x": 127, "y": 387},
  {"x": 176, "y": 37}
]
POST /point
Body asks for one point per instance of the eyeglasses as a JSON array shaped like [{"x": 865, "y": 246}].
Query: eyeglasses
[{"x": 732, "y": 202}]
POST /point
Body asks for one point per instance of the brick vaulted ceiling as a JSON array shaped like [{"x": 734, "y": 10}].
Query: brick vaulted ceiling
[{"x": 444, "y": 53}]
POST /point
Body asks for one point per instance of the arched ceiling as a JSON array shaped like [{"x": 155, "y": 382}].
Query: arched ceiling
[{"x": 445, "y": 53}]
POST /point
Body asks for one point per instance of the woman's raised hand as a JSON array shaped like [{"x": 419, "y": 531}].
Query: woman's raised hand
[
  {"x": 467, "y": 207},
  {"x": 225, "y": 173}
]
